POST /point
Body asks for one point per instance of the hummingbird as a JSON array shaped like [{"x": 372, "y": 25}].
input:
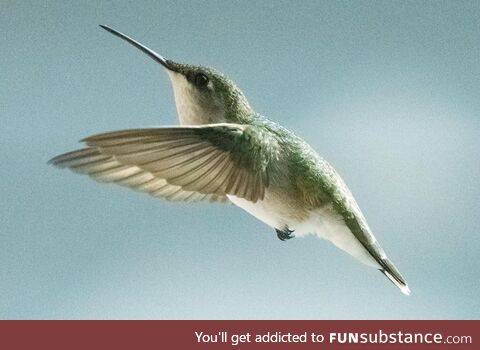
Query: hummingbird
[{"x": 224, "y": 151}]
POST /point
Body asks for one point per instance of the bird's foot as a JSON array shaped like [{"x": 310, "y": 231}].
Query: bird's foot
[{"x": 284, "y": 234}]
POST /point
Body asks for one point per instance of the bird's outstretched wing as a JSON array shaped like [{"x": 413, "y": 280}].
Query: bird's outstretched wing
[{"x": 179, "y": 163}]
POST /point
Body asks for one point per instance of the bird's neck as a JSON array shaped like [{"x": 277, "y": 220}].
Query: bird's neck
[{"x": 238, "y": 110}]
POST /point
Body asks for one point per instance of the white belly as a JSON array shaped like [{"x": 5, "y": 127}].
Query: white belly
[
  {"x": 324, "y": 223},
  {"x": 261, "y": 210}
]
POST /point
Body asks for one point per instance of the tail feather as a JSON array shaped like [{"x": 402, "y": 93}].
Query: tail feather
[{"x": 389, "y": 270}]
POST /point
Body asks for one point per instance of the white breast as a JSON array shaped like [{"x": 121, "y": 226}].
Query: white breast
[
  {"x": 261, "y": 210},
  {"x": 324, "y": 223}
]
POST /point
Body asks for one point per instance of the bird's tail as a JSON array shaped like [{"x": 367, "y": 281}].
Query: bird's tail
[{"x": 389, "y": 270}]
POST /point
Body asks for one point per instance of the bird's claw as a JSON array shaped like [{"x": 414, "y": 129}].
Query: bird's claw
[{"x": 284, "y": 234}]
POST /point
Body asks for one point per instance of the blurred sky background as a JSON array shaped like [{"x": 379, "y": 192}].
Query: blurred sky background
[{"x": 388, "y": 92}]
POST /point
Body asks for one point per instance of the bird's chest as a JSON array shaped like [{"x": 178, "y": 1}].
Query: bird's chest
[
  {"x": 191, "y": 114},
  {"x": 262, "y": 210},
  {"x": 276, "y": 209}
]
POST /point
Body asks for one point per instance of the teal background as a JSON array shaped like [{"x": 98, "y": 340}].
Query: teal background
[{"x": 387, "y": 91}]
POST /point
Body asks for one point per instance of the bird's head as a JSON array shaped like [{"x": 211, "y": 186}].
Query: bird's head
[{"x": 202, "y": 95}]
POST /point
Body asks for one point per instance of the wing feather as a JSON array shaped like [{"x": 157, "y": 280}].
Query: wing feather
[{"x": 191, "y": 163}]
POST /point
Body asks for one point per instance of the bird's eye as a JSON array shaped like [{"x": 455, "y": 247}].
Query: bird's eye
[{"x": 201, "y": 80}]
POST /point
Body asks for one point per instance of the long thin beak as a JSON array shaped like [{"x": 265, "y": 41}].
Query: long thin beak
[{"x": 157, "y": 57}]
